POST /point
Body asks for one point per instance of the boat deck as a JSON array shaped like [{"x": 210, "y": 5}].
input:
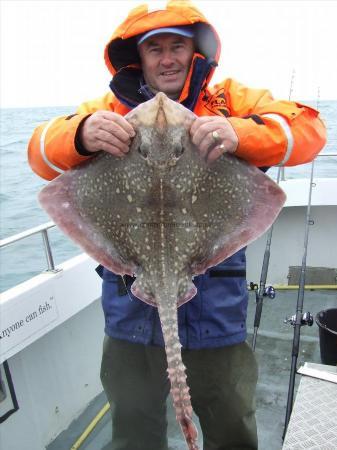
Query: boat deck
[
  {"x": 313, "y": 422},
  {"x": 273, "y": 350}
]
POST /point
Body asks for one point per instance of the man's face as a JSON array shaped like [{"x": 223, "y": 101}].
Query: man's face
[{"x": 166, "y": 60}]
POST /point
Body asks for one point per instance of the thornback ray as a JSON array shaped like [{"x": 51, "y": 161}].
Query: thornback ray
[{"x": 163, "y": 214}]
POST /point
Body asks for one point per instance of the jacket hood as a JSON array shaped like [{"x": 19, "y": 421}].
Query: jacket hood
[{"x": 121, "y": 51}]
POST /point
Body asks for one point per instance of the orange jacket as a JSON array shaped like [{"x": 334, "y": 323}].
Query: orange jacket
[{"x": 270, "y": 132}]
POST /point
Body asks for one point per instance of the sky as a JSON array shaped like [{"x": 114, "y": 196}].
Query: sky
[{"x": 52, "y": 50}]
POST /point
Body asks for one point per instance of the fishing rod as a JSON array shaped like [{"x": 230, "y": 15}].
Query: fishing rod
[
  {"x": 263, "y": 291},
  {"x": 300, "y": 319}
]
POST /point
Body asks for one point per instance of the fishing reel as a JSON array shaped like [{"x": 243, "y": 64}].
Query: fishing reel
[
  {"x": 306, "y": 319},
  {"x": 268, "y": 291}
]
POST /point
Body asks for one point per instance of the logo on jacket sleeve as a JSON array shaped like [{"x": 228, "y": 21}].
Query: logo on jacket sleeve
[{"x": 216, "y": 103}]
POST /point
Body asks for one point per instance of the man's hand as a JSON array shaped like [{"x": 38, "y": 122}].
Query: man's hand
[
  {"x": 213, "y": 135},
  {"x": 107, "y": 131}
]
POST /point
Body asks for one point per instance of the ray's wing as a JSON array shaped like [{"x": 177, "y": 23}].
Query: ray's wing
[
  {"x": 231, "y": 204},
  {"x": 95, "y": 204}
]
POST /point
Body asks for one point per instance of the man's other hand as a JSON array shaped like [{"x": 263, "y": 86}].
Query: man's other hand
[
  {"x": 107, "y": 131},
  {"x": 213, "y": 136}
]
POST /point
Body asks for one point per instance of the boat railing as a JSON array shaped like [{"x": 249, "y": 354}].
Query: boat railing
[
  {"x": 43, "y": 230},
  {"x": 282, "y": 169}
]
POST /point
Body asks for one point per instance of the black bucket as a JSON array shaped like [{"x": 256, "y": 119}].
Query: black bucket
[{"x": 327, "y": 323}]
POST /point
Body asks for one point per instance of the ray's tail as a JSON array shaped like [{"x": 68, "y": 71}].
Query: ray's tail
[{"x": 176, "y": 370}]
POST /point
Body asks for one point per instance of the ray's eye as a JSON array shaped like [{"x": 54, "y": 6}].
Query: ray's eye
[
  {"x": 143, "y": 151},
  {"x": 178, "y": 151}
]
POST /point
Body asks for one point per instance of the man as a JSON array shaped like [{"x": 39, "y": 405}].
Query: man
[{"x": 175, "y": 50}]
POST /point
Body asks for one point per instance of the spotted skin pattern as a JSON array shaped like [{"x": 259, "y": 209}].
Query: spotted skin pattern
[{"x": 163, "y": 215}]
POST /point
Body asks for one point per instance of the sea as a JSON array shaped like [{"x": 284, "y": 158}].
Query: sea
[{"x": 19, "y": 187}]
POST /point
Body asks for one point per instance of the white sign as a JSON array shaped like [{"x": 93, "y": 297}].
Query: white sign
[{"x": 24, "y": 319}]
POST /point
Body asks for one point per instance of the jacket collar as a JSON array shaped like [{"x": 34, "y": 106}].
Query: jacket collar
[{"x": 129, "y": 86}]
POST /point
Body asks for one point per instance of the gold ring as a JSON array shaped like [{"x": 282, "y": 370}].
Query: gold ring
[
  {"x": 222, "y": 148},
  {"x": 215, "y": 136}
]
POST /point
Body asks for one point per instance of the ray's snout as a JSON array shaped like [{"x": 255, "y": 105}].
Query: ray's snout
[
  {"x": 162, "y": 105},
  {"x": 161, "y": 122},
  {"x": 161, "y": 98},
  {"x": 162, "y": 111},
  {"x": 161, "y": 131}
]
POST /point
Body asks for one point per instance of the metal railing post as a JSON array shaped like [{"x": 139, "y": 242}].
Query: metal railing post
[
  {"x": 48, "y": 252},
  {"x": 282, "y": 174}
]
